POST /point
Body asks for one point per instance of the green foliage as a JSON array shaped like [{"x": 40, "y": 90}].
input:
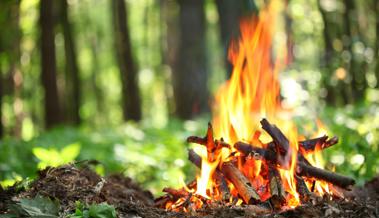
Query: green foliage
[
  {"x": 54, "y": 158},
  {"x": 153, "y": 157},
  {"x": 38, "y": 207},
  {"x": 102, "y": 210}
]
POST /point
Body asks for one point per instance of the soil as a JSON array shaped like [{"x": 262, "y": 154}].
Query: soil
[{"x": 70, "y": 183}]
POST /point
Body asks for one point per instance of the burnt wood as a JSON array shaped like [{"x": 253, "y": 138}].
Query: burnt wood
[
  {"x": 302, "y": 189},
  {"x": 278, "y": 194},
  {"x": 303, "y": 167},
  {"x": 240, "y": 182},
  {"x": 331, "y": 177},
  {"x": 281, "y": 141},
  {"x": 220, "y": 180}
]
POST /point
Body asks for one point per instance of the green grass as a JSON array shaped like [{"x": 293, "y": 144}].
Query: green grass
[{"x": 156, "y": 157}]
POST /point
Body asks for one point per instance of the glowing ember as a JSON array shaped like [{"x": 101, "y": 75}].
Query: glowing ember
[{"x": 248, "y": 165}]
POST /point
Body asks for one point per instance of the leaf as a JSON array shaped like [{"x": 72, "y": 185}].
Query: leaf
[
  {"x": 38, "y": 207},
  {"x": 102, "y": 210},
  {"x": 70, "y": 152},
  {"x": 41, "y": 153}
]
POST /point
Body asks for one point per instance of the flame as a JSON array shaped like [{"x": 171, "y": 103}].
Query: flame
[
  {"x": 253, "y": 93},
  {"x": 287, "y": 176},
  {"x": 253, "y": 90}
]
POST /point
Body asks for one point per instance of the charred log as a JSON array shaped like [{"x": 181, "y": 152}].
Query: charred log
[
  {"x": 278, "y": 195},
  {"x": 334, "y": 178},
  {"x": 240, "y": 182}
]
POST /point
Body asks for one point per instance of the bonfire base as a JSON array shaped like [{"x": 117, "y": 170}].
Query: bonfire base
[{"x": 131, "y": 201}]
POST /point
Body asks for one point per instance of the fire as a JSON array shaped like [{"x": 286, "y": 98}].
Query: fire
[
  {"x": 253, "y": 90},
  {"x": 253, "y": 93}
]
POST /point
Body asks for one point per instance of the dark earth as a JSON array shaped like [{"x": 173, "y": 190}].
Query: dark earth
[{"x": 71, "y": 183}]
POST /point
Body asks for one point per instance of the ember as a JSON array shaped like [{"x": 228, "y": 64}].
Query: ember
[{"x": 261, "y": 165}]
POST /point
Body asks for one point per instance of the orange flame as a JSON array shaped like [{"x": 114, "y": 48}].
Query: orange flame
[{"x": 251, "y": 94}]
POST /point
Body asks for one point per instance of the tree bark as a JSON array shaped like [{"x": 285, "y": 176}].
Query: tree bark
[
  {"x": 72, "y": 70},
  {"x": 10, "y": 43},
  {"x": 377, "y": 42},
  {"x": 229, "y": 13},
  {"x": 48, "y": 65},
  {"x": 128, "y": 71},
  {"x": 355, "y": 67},
  {"x": 1, "y": 100},
  {"x": 190, "y": 72}
]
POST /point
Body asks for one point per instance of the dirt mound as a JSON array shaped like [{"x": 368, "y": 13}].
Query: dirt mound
[{"x": 69, "y": 184}]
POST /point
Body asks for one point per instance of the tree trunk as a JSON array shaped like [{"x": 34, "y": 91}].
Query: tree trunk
[
  {"x": 355, "y": 67},
  {"x": 190, "y": 73},
  {"x": 1, "y": 101},
  {"x": 169, "y": 44},
  {"x": 10, "y": 40},
  {"x": 72, "y": 69},
  {"x": 339, "y": 93},
  {"x": 377, "y": 42},
  {"x": 128, "y": 71},
  {"x": 48, "y": 65},
  {"x": 229, "y": 13}
]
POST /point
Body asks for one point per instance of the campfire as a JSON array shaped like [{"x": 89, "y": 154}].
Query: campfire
[{"x": 252, "y": 153}]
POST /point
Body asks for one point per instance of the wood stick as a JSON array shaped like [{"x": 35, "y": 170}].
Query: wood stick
[
  {"x": 240, "y": 182},
  {"x": 176, "y": 193},
  {"x": 247, "y": 149},
  {"x": 310, "y": 144},
  {"x": 278, "y": 195},
  {"x": 222, "y": 186},
  {"x": 302, "y": 189},
  {"x": 331, "y": 177},
  {"x": 304, "y": 168},
  {"x": 220, "y": 180},
  {"x": 281, "y": 141}
]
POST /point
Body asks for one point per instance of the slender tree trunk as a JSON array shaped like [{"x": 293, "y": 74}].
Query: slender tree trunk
[
  {"x": 339, "y": 93},
  {"x": 10, "y": 40},
  {"x": 229, "y": 13},
  {"x": 289, "y": 33},
  {"x": 1, "y": 101},
  {"x": 72, "y": 69},
  {"x": 128, "y": 70},
  {"x": 357, "y": 65},
  {"x": 190, "y": 73},
  {"x": 377, "y": 42},
  {"x": 169, "y": 44},
  {"x": 48, "y": 64}
]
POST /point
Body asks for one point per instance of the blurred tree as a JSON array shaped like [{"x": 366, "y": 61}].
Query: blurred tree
[
  {"x": 10, "y": 45},
  {"x": 190, "y": 74},
  {"x": 73, "y": 91},
  {"x": 169, "y": 41},
  {"x": 128, "y": 70},
  {"x": 229, "y": 13},
  {"x": 356, "y": 64},
  {"x": 376, "y": 48},
  {"x": 1, "y": 100},
  {"x": 48, "y": 65}
]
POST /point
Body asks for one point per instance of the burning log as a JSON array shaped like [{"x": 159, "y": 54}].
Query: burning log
[
  {"x": 240, "y": 182},
  {"x": 311, "y": 144},
  {"x": 213, "y": 146},
  {"x": 302, "y": 189},
  {"x": 304, "y": 169},
  {"x": 331, "y": 177},
  {"x": 278, "y": 194},
  {"x": 220, "y": 180},
  {"x": 175, "y": 193},
  {"x": 248, "y": 149},
  {"x": 280, "y": 140}
]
